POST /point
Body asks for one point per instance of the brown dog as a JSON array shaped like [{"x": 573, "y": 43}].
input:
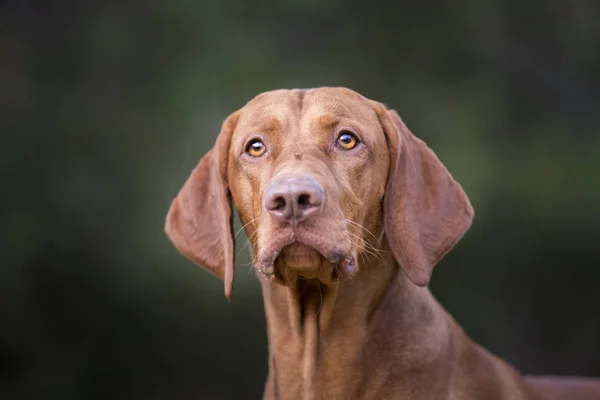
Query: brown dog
[{"x": 347, "y": 213}]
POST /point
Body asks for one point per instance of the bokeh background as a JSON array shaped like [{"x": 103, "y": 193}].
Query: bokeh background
[{"x": 107, "y": 106}]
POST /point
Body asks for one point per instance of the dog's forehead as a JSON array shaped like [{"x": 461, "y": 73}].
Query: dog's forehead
[{"x": 288, "y": 106}]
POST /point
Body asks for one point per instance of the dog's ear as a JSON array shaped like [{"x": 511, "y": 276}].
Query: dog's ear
[
  {"x": 426, "y": 211},
  {"x": 200, "y": 220}
]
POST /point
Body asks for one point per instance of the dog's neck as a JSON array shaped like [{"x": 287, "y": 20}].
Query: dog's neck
[{"x": 309, "y": 320}]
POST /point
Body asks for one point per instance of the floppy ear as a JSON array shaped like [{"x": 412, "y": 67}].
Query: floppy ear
[
  {"x": 199, "y": 222},
  {"x": 426, "y": 211}
]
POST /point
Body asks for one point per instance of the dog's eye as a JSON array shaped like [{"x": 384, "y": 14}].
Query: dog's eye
[
  {"x": 256, "y": 148},
  {"x": 347, "y": 140}
]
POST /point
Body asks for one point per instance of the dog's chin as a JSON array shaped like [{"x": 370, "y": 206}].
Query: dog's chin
[
  {"x": 303, "y": 261},
  {"x": 305, "y": 253}
]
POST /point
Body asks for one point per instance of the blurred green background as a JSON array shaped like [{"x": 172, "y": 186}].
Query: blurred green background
[{"x": 107, "y": 106}]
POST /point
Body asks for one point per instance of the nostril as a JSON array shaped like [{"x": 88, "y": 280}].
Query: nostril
[
  {"x": 293, "y": 198},
  {"x": 278, "y": 204},
  {"x": 304, "y": 201}
]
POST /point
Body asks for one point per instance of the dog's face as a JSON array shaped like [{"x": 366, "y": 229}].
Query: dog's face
[
  {"x": 303, "y": 165},
  {"x": 320, "y": 178}
]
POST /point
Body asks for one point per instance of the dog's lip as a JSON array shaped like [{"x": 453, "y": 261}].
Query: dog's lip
[
  {"x": 334, "y": 256},
  {"x": 345, "y": 268},
  {"x": 298, "y": 249},
  {"x": 343, "y": 261}
]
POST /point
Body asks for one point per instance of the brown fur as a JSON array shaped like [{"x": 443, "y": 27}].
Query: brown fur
[{"x": 368, "y": 328}]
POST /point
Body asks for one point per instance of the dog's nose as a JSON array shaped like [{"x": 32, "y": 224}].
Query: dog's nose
[{"x": 293, "y": 198}]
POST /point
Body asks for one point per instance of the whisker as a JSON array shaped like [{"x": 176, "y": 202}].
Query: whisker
[
  {"x": 366, "y": 247},
  {"x": 361, "y": 227},
  {"x": 247, "y": 242},
  {"x": 369, "y": 232},
  {"x": 363, "y": 252},
  {"x": 243, "y": 247},
  {"x": 377, "y": 256},
  {"x": 367, "y": 244},
  {"x": 239, "y": 230},
  {"x": 376, "y": 250}
]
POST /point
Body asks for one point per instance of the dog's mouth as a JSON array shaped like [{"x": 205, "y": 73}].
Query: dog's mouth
[
  {"x": 308, "y": 257},
  {"x": 309, "y": 263}
]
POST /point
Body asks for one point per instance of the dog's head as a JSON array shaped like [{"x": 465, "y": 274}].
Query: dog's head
[{"x": 320, "y": 178}]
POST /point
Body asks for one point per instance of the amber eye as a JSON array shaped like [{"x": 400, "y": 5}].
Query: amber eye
[
  {"x": 256, "y": 148},
  {"x": 347, "y": 141}
]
